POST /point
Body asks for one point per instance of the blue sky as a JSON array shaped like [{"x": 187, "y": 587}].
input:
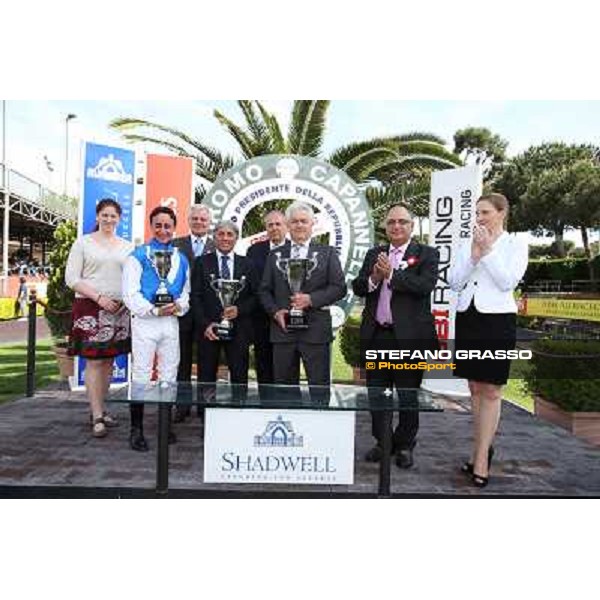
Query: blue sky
[{"x": 35, "y": 129}]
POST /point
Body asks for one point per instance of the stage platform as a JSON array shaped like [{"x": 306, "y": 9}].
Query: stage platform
[{"x": 46, "y": 451}]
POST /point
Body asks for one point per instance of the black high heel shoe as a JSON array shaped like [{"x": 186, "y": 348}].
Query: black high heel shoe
[
  {"x": 480, "y": 481},
  {"x": 467, "y": 468}
]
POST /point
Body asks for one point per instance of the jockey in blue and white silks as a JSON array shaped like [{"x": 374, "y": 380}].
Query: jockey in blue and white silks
[{"x": 153, "y": 332}]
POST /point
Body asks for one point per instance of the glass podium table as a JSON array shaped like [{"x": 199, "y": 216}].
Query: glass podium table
[{"x": 337, "y": 397}]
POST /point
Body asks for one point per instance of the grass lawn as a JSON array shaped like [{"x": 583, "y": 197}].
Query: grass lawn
[
  {"x": 516, "y": 389},
  {"x": 341, "y": 370},
  {"x": 13, "y": 368}
]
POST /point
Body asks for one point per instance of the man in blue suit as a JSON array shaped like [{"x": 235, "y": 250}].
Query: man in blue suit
[{"x": 223, "y": 263}]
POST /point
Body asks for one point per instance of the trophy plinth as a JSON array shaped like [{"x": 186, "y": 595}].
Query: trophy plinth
[
  {"x": 296, "y": 319},
  {"x": 162, "y": 296},
  {"x": 161, "y": 260},
  {"x": 296, "y": 271},
  {"x": 228, "y": 291}
]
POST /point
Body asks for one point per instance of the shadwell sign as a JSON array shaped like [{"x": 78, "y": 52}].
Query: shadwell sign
[{"x": 279, "y": 446}]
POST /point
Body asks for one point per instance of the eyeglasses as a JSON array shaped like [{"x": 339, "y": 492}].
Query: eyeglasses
[{"x": 403, "y": 222}]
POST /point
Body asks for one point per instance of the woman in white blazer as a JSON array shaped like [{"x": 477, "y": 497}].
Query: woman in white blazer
[{"x": 485, "y": 274}]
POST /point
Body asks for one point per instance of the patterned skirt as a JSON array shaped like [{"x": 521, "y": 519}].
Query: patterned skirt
[{"x": 97, "y": 333}]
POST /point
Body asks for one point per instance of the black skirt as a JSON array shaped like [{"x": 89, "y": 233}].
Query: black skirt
[{"x": 484, "y": 331}]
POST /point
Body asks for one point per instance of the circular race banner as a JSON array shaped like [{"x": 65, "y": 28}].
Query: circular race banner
[{"x": 341, "y": 208}]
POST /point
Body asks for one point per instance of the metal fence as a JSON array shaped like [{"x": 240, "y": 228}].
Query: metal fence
[
  {"x": 26, "y": 188},
  {"x": 553, "y": 286}
]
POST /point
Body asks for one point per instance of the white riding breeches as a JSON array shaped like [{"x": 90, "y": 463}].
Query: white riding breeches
[{"x": 154, "y": 336}]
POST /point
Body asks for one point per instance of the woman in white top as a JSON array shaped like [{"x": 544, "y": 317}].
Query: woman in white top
[
  {"x": 101, "y": 323},
  {"x": 485, "y": 274}
]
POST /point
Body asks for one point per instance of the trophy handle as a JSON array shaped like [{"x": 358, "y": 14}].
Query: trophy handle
[
  {"x": 214, "y": 283},
  {"x": 281, "y": 263},
  {"x": 242, "y": 284},
  {"x": 313, "y": 264}
]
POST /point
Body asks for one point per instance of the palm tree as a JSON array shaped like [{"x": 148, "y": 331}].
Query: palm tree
[
  {"x": 412, "y": 192},
  {"x": 386, "y": 162}
]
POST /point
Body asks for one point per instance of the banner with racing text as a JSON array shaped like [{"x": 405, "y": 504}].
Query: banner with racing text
[{"x": 454, "y": 193}]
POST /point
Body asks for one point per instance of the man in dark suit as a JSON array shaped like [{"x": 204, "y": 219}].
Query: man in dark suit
[
  {"x": 197, "y": 243},
  {"x": 209, "y": 311},
  {"x": 276, "y": 228},
  {"x": 324, "y": 287},
  {"x": 397, "y": 280}
]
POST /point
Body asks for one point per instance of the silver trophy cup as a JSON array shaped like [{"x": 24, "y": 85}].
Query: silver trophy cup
[
  {"x": 161, "y": 261},
  {"x": 296, "y": 271},
  {"x": 228, "y": 291}
]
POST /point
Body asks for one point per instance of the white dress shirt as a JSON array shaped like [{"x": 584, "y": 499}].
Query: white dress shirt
[
  {"x": 230, "y": 263},
  {"x": 491, "y": 282},
  {"x": 302, "y": 249}
]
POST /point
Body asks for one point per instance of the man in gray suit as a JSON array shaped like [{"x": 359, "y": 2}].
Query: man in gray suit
[
  {"x": 193, "y": 245},
  {"x": 324, "y": 287}
]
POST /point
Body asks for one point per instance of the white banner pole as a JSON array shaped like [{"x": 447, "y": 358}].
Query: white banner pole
[{"x": 454, "y": 193}]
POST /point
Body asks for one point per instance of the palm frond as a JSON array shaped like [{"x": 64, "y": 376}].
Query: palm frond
[
  {"x": 418, "y": 136},
  {"x": 403, "y": 166},
  {"x": 126, "y": 124},
  {"x": 413, "y": 194},
  {"x": 278, "y": 143},
  {"x": 346, "y": 155},
  {"x": 241, "y": 137},
  {"x": 177, "y": 148},
  {"x": 307, "y": 127},
  {"x": 204, "y": 167},
  {"x": 360, "y": 164},
  {"x": 200, "y": 192},
  {"x": 256, "y": 126},
  {"x": 429, "y": 148}
]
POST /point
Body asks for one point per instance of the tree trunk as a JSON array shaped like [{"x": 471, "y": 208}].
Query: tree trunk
[
  {"x": 560, "y": 243},
  {"x": 588, "y": 252}
]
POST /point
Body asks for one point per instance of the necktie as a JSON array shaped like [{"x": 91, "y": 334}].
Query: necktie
[
  {"x": 225, "y": 273},
  {"x": 198, "y": 247},
  {"x": 384, "y": 310},
  {"x": 296, "y": 251}
]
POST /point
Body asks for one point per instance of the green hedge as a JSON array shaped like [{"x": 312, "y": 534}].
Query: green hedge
[
  {"x": 525, "y": 321},
  {"x": 350, "y": 341},
  {"x": 577, "y": 362},
  {"x": 561, "y": 269},
  {"x": 58, "y": 296}
]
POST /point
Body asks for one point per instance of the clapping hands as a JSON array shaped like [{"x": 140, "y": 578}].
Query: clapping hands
[
  {"x": 482, "y": 242},
  {"x": 382, "y": 269}
]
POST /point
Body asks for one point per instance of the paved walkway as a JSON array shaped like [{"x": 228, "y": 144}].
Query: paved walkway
[
  {"x": 14, "y": 331},
  {"x": 45, "y": 441}
]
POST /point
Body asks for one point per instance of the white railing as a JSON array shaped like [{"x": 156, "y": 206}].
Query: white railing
[{"x": 31, "y": 191}]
